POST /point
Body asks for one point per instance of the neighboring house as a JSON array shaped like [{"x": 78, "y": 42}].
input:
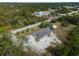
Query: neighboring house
[
  {"x": 41, "y": 13},
  {"x": 42, "y": 39}
]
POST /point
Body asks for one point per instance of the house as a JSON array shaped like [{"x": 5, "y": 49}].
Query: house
[
  {"x": 41, "y": 33},
  {"x": 40, "y": 40},
  {"x": 41, "y": 13}
]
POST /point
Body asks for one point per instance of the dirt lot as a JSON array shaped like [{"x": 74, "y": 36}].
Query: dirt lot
[{"x": 62, "y": 32}]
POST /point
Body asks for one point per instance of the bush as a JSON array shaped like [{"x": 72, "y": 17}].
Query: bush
[{"x": 45, "y": 25}]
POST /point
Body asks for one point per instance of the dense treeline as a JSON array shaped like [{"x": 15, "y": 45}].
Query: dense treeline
[
  {"x": 74, "y": 19},
  {"x": 44, "y": 6}
]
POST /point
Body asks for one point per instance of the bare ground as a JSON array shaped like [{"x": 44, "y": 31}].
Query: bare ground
[{"x": 62, "y": 32}]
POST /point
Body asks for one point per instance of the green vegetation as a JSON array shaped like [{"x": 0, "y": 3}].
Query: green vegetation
[
  {"x": 64, "y": 9},
  {"x": 73, "y": 42},
  {"x": 18, "y": 16},
  {"x": 45, "y": 25},
  {"x": 13, "y": 15},
  {"x": 7, "y": 48},
  {"x": 70, "y": 47},
  {"x": 23, "y": 34},
  {"x": 74, "y": 19}
]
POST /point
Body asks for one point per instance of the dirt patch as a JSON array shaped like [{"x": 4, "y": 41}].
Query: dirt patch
[{"x": 62, "y": 32}]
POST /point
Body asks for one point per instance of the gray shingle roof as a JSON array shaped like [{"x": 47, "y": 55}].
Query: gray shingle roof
[{"x": 41, "y": 33}]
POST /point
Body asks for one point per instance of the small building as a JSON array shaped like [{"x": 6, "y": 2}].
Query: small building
[{"x": 39, "y": 41}]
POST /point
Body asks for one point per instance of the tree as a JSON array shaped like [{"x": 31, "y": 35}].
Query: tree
[
  {"x": 71, "y": 47},
  {"x": 45, "y": 25},
  {"x": 7, "y": 48}
]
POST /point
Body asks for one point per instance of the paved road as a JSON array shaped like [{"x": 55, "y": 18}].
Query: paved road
[{"x": 37, "y": 24}]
